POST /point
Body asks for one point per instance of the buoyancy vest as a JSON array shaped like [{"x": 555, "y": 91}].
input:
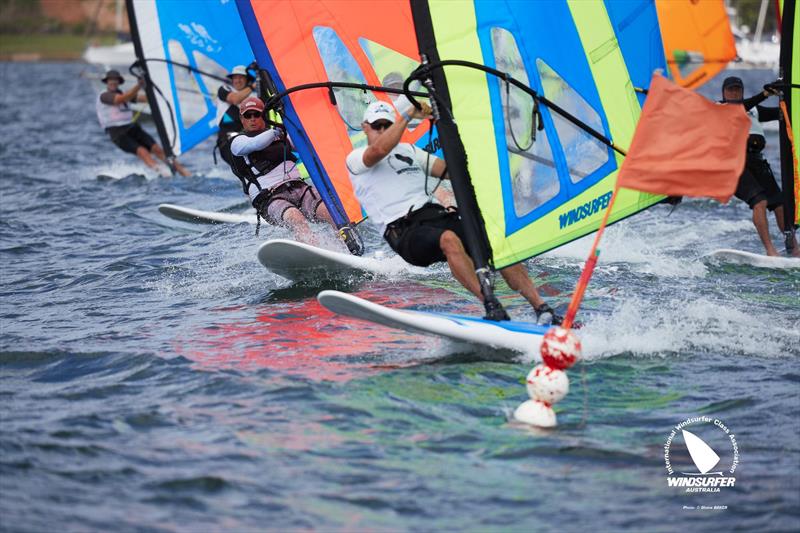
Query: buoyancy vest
[
  {"x": 249, "y": 168},
  {"x": 111, "y": 115}
]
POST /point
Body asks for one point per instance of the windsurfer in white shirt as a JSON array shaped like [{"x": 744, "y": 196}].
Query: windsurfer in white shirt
[
  {"x": 116, "y": 117},
  {"x": 389, "y": 179}
]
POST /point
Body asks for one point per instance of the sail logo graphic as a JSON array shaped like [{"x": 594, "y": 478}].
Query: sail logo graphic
[
  {"x": 712, "y": 472},
  {"x": 584, "y": 210}
]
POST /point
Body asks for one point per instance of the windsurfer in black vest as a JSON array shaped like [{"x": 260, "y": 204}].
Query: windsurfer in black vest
[
  {"x": 116, "y": 117},
  {"x": 389, "y": 179},
  {"x": 757, "y": 185},
  {"x": 241, "y": 86},
  {"x": 262, "y": 159}
]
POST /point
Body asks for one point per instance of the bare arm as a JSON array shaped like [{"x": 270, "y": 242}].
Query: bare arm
[
  {"x": 236, "y": 97},
  {"x": 376, "y": 151},
  {"x": 129, "y": 95},
  {"x": 439, "y": 168}
]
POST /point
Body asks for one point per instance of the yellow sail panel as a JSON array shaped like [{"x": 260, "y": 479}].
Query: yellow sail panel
[
  {"x": 540, "y": 180},
  {"x": 697, "y": 39}
]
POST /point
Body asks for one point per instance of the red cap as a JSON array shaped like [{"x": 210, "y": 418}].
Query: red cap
[{"x": 251, "y": 103}]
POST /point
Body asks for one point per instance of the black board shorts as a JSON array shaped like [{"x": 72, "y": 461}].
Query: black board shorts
[
  {"x": 130, "y": 138},
  {"x": 415, "y": 237},
  {"x": 757, "y": 183}
]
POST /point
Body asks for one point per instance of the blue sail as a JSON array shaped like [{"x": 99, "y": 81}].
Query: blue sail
[{"x": 187, "y": 48}]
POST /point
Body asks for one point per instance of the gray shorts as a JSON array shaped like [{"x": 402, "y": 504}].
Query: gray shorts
[{"x": 292, "y": 194}]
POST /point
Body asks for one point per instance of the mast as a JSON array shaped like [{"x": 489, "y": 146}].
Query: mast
[
  {"x": 789, "y": 90},
  {"x": 477, "y": 242},
  {"x": 149, "y": 87}
]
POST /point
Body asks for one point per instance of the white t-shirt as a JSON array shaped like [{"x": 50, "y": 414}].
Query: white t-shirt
[{"x": 389, "y": 189}]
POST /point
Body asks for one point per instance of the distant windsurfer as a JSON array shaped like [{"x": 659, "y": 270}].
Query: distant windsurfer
[
  {"x": 262, "y": 159},
  {"x": 389, "y": 179},
  {"x": 241, "y": 86},
  {"x": 116, "y": 117},
  {"x": 757, "y": 186}
]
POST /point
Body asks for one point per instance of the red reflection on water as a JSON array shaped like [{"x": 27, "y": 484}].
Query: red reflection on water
[{"x": 304, "y": 338}]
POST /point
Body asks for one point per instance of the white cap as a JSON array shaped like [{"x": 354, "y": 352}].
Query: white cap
[
  {"x": 240, "y": 70},
  {"x": 379, "y": 110}
]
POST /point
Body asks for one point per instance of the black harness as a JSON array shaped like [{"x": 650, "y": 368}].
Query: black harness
[{"x": 429, "y": 212}]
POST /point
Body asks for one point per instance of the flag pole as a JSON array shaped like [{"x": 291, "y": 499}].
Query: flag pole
[{"x": 588, "y": 267}]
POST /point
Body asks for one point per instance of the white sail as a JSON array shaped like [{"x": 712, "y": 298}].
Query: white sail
[{"x": 703, "y": 456}]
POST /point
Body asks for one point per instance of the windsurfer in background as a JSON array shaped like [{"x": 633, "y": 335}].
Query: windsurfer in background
[
  {"x": 242, "y": 85},
  {"x": 262, "y": 159},
  {"x": 390, "y": 181},
  {"x": 116, "y": 117},
  {"x": 757, "y": 185}
]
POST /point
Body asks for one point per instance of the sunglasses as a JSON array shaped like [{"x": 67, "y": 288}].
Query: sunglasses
[
  {"x": 380, "y": 125},
  {"x": 250, "y": 115}
]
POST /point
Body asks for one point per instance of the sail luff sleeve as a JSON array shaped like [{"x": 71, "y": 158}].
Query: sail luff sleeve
[
  {"x": 455, "y": 156},
  {"x": 790, "y": 70},
  {"x": 155, "y": 109}
]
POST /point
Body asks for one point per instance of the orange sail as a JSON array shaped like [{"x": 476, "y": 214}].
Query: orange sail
[{"x": 697, "y": 39}]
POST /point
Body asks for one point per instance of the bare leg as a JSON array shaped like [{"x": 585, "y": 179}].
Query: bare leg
[
  {"x": 180, "y": 168},
  {"x": 159, "y": 153},
  {"x": 323, "y": 215},
  {"x": 460, "y": 263},
  {"x": 779, "y": 218},
  {"x": 517, "y": 278},
  {"x": 295, "y": 220},
  {"x": 145, "y": 156},
  {"x": 762, "y": 226}
]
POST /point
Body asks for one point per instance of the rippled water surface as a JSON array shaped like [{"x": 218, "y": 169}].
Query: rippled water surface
[{"x": 154, "y": 376}]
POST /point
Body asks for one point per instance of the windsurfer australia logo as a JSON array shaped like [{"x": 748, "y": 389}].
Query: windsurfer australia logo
[{"x": 706, "y": 459}]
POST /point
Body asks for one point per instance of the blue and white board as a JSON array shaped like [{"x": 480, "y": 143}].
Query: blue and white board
[
  {"x": 741, "y": 257},
  {"x": 522, "y": 337},
  {"x": 198, "y": 216}
]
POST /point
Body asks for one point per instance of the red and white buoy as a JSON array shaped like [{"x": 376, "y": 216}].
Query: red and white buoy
[{"x": 548, "y": 383}]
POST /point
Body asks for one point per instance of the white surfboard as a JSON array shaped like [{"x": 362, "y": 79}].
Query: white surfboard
[
  {"x": 756, "y": 260},
  {"x": 512, "y": 335},
  {"x": 298, "y": 261},
  {"x": 197, "y": 216}
]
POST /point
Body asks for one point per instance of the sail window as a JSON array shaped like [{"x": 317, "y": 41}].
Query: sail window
[
  {"x": 392, "y": 69},
  {"x": 584, "y": 154},
  {"x": 210, "y": 85},
  {"x": 189, "y": 99},
  {"x": 340, "y": 65},
  {"x": 534, "y": 178}
]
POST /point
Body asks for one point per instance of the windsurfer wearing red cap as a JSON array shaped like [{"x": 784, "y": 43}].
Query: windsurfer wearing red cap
[
  {"x": 757, "y": 185},
  {"x": 262, "y": 159},
  {"x": 116, "y": 117}
]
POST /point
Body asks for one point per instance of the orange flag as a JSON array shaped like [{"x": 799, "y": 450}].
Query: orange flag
[{"x": 686, "y": 145}]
